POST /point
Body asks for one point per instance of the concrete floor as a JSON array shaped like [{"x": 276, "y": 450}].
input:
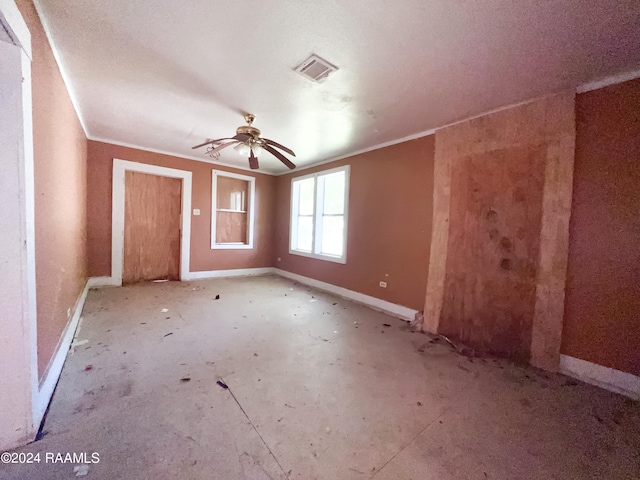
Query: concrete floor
[{"x": 320, "y": 388}]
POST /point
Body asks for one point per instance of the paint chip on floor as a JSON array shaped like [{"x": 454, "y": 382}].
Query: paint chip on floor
[
  {"x": 164, "y": 310},
  {"x": 81, "y": 470}
]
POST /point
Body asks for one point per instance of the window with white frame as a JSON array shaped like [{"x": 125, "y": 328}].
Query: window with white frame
[
  {"x": 232, "y": 210},
  {"x": 319, "y": 208}
]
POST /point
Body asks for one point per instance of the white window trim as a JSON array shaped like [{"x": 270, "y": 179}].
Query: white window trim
[
  {"x": 316, "y": 231},
  {"x": 214, "y": 198}
]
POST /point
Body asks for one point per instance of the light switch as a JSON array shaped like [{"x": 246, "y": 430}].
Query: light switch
[{"x": 196, "y": 211}]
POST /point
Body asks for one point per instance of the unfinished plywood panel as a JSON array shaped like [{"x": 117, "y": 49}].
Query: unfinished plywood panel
[
  {"x": 232, "y": 200},
  {"x": 499, "y": 246},
  {"x": 493, "y": 243},
  {"x": 151, "y": 227},
  {"x": 546, "y": 337},
  {"x": 231, "y": 227},
  {"x": 439, "y": 240}
]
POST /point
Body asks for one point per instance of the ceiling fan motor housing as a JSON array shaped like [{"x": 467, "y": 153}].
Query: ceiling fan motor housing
[{"x": 248, "y": 130}]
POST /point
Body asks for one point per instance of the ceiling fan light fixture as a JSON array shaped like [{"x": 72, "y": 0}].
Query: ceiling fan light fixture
[
  {"x": 242, "y": 149},
  {"x": 257, "y": 149}
]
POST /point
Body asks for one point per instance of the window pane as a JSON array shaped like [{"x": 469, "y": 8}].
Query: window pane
[
  {"x": 334, "y": 193},
  {"x": 305, "y": 207},
  {"x": 305, "y": 232},
  {"x": 231, "y": 193},
  {"x": 332, "y": 235}
]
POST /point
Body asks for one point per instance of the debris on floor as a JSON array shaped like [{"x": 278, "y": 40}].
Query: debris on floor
[
  {"x": 167, "y": 334},
  {"x": 185, "y": 380},
  {"x": 164, "y": 310},
  {"x": 222, "y": 384},
  {"x": 88, "y": 367},
  {"x": 417, "y": 324},
  {"x": 386, "y": 324},
  {"x": 81, "y": 470},
  {"x": 217, "y": 297},
  {"x": 77, "y": 343},
  {"x": 160, "y": 281}
]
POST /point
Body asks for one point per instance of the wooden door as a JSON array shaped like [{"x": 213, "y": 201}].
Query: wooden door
[{"x": 151, "y": 227}]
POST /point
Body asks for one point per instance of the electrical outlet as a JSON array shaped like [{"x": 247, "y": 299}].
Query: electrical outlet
[
  {"x": 196, "y": 211},
  {"x": 279, "y": 259},
  {"x": 383, "y": 284}
]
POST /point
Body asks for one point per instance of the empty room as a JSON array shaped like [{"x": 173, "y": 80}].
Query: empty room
[{"x": 320, "y": 240}]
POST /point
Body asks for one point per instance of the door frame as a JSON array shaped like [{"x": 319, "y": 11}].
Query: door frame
[
  {"x": 28, "y": 401},
  {"x": 117, "y": 217}
]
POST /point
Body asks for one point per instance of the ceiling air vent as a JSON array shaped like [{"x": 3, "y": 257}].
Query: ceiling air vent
[{"x": 315, "y": 68}]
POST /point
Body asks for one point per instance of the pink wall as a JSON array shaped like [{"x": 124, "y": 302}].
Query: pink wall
[
  {"x": 60, "y": 150},
  {"x": 390, "y": 210},
  {"x": 602, "y": 303},
  {"x": 203, "y": 258}
]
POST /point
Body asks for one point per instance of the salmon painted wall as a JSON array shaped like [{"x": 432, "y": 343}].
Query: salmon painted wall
[
  {"x": 602, "y": 303},
  {"x": 60, "y": 154},
  {"x": 390, "y": 210},
  {"x": 203, "y": 258}
]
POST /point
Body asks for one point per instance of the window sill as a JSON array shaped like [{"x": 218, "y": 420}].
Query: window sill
[
  {"x": 229, "y": 210},
  {"x": 318, "y": 256},
  {"x": 231, "y": 246}
]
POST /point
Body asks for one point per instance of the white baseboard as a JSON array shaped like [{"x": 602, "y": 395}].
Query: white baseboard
[
  {"x": 237, "y": 272},
  {"x": 604, "y": 377},
  {"x": 95, "y": 282},
  {"x": 54, "y": 369},
  {"x": 405, "y": 313}
]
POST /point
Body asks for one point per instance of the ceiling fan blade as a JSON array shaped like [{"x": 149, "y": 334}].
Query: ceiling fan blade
[
  {"x": 241, "y": 137},
  {"x": 220, "y": 147},
  {"x": 279, "y": 156},
  {"x": 253, "y": 161},
  {"x": 203, "y": 144},
  {"x": 281, "y": 147},
  {"x": 212, "y": 141}
]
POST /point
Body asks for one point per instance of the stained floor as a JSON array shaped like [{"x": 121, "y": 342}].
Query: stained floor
[{"x": 319, "y": 388}]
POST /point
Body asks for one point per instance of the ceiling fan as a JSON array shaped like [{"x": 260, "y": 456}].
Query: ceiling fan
[{"x": 248, "y": 141}]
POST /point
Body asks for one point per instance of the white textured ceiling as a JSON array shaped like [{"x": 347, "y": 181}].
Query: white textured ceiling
[{"x": 165, "y": 75}]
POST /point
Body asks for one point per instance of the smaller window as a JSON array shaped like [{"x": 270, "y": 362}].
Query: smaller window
[
  {"x": 319, "y": 207},
  {"x": 232, "y": 210}
]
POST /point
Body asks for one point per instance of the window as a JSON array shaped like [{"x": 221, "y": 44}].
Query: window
[
  {"x": 232, "y": 210},
  {"x": 319, "y": 207}
]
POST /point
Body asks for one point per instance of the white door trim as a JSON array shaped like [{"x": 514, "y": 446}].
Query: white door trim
[
  {"x": 11, "y": 20},
  {"x": 117, "y": 218}
]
